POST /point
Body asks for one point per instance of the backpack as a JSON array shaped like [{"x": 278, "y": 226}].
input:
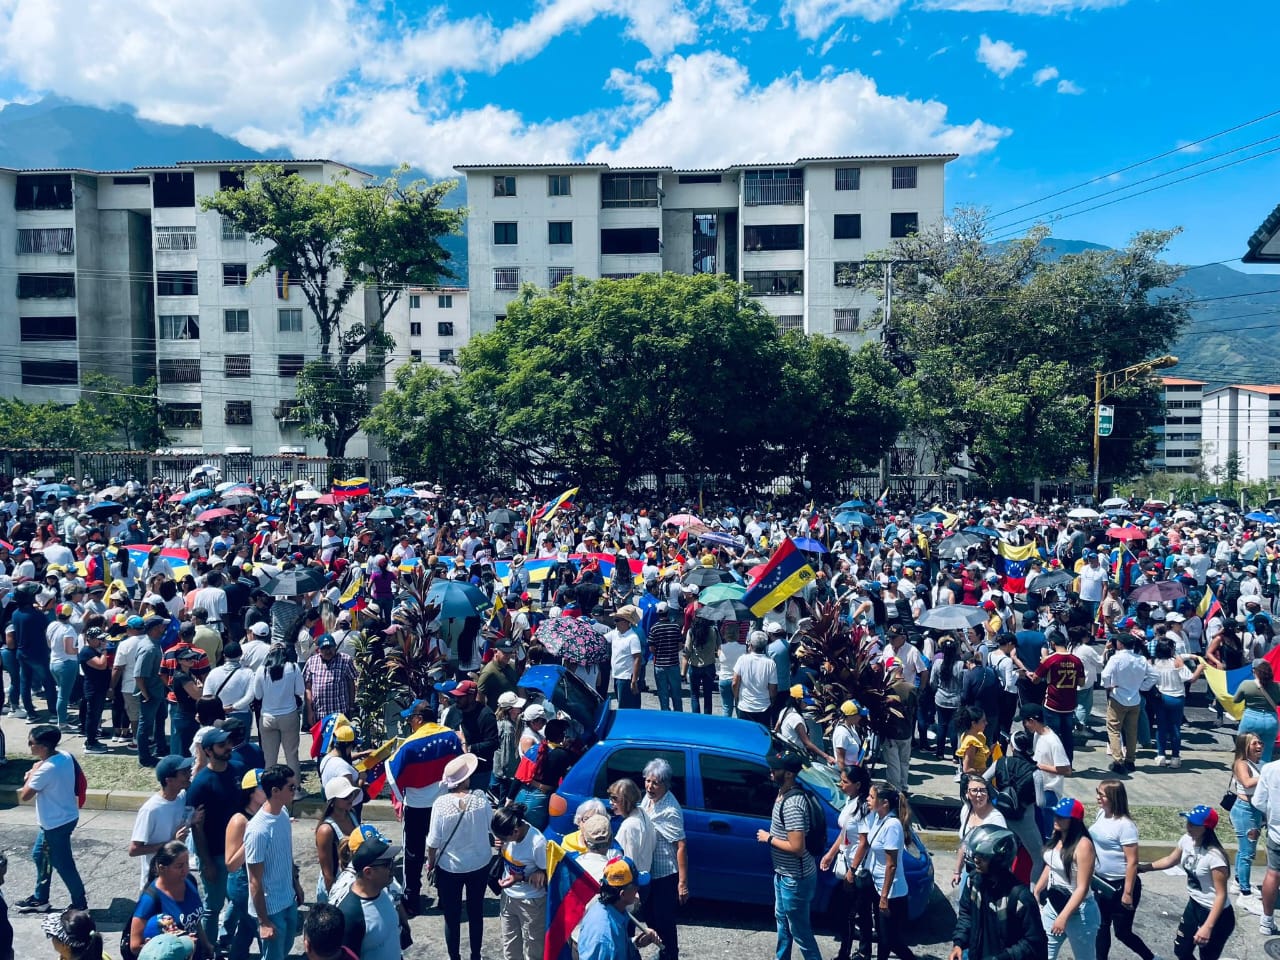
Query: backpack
[
  {"x": 1230, "y": 593},
  {"x": 815, "y": 819},
  {"x": 126, "y": 949},
  {"x": 1016, "y": 777}
]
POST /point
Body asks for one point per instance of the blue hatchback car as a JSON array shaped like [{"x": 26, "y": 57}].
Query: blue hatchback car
[{"x": 722, "y": 781}]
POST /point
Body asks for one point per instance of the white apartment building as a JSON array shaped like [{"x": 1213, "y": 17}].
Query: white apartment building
[
  {"x": 792, "y": 231},
  {"x": 1178, "y": 436},
  {"x": 123, "y": 273},
  {"x": 1242, "y": 419},
  {"x": 430, "y": 325}
]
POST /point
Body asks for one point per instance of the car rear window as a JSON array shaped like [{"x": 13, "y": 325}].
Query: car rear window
[
  {"x": 629, "y": 763},
  {"x": 736, "y": 785}
]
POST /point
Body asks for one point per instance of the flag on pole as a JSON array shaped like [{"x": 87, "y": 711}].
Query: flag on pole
[
  {"x": 355, "y": 487},
  {"x": 1209, "y": 606},
  {"x": 1012, "y": 562},
  {"x": 785, "y": 573},
  {"x": 549, "y": 509}
]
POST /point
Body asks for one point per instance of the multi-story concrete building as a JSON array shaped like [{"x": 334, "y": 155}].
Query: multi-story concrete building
[
  {"x": 123, "y": 273},
  {"x": 794, "y": 232},
  {"x": 1242, "y": 421},
  {"x": 430, "y": 325},
  {"x": 1178, "y": 436}
]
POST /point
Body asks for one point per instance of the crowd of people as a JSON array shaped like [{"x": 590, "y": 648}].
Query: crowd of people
[{"x": 206, "y": 630}]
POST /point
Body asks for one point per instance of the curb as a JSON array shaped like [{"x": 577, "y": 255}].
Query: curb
[
  {"x": 128, "y": 801},
  {"x": 948, "y": 841}
]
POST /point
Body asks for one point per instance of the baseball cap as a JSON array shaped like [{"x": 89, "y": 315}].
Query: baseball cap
[
  {"x": 595, "y": 830},
  {"x": 464, "y": 688},
  {"x": 534, "y": 711},
  {"x": 251, "y": 779},
  {"x": 1071, "y": 808},
  {"x": 853, "y": 708},
  {"x": 172, "y": 765},
  {"x": 373, "y": 850},
  {"x": 620, "y": 872},
  {"x": 325, "y": 640},
  {"x": 215, "y": 735},
  {"x": 167, "y": 946},
  {"x": 507, "y": 700},
  {"x": 261, "y": 629},
  {"x": 1202, "y": 816},
  {"x": 152, "y": 622},
  {"x": 786, "y": 760},
  {"x": 800, "y": 692},
  {"x": 340, "y": 788},
  {"x": 406, "y": 713},
  {"x": 134, "y": 622},
  {"x": 1031, "y": 711}
]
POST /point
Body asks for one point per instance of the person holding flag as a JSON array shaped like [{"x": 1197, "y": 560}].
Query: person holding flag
[{"x": 606, "y": 925}]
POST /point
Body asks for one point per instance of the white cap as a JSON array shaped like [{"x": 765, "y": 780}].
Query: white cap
[
  {"x": 533, "y": 711},
  {"x": 261, "y": 629}
]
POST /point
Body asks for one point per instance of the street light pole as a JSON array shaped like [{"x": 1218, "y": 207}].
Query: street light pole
[{"x": 1104, "y": 384}]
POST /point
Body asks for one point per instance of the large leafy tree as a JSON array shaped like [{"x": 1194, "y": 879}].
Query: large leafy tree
[
  {"x": 335, "y": 240},
  {"x": 69, "y": 426},
  {"x": 1000, "y": 344},
  {"x": 131, "y": 411}
]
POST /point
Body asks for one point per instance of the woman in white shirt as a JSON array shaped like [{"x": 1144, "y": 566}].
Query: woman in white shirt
[
  {"x": 731, "y": 650},
  {"x": 1245, "y": 817},
  {"x": 1207, "y": 920},
  {"x": 1172, "y": 675},
  {"x": 1068, "y": 909},
  {"x": 278, "y": 684},
  {"x": 458, "y": 850},
  {"x": 849, "y": 737},
  {"x": 881, "y": 840},
  {"x": 635, "y": 834},
  {"x": 1115, "y": 839},
  {"x": 855, "y": 784},
  {"x": 977, "y": 810}
]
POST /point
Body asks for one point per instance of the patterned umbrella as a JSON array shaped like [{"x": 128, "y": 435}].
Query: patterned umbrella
[{"x": 573, "y": 640}]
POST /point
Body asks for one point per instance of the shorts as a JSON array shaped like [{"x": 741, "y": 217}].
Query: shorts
[{"x": 1273, "y": 856}]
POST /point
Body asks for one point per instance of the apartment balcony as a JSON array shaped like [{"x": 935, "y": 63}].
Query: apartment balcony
[{"x": 771, "y": 193}]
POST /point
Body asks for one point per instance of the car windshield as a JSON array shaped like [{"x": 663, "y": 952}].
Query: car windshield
[{"x": 823, "y": 781}]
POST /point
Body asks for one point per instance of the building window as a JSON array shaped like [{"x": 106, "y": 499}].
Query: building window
[
  {"x": 780, "y": 236},
  {"x": 559, "y": 185},
  {"x": 47, "y": 240},
  {"x": 177, "y": 283},
  {"x": 444, "y": 328},
  {"x": 415, "y": 356},
  {"x": 903, "y": 224},
  {"x": 175, "y": 238},
  {"x": 231, "y": 231},
  {"x": 845, "y": 273},
  {"x": 790, "y": 321},
  {"x": 629, "y": 190},
  {"x": 46, "y": 286},
  {"x": 699, "y": 178},
  {"x": 506, "y": 278},
  {"x": 630, "y": 240},
  {"x": 43, "y": 192},
  {"x": 504, "y": 233},
  {"x": 415, "y": 328},
  {"x": 235, "y": 274},
  {"x": 289, "y": 364},
  {"x": 560, "y": 231},
  {"x": 557, "y": 275},
  {"x": 38, "y": 329},
  {"x": 288, "y": 411},
  {"x": 846, "y": 319},
  {"x": 771, "y": 187},
  {"x": 848, "y": 178},
  {"x": 289, "y": 319},
  {"x": 50, "y": 373},
  {"x": 178, "y": 326},
  {"x": 230, "y": 179},
  {"x": 415, "y": 301},
  {"x": 499, "y": 318},
  {"x": 446, "y": 355},
  {"x": 705, "y": 231},
  {"x": 131, "y": 181},
  {"x": 774, "y": 283},
  {"x": 239, "y": 413},
  {"x": 904, "y": 178},
  {"x": 181, "y": 416},
  {"x": 237, "y": 366},
  {"x": 848, "y": 226},
  {"x": 174, "y": 189},
  {"x": 179, "y": 371},
  {"x": 445, "y": 301},
  {"x": 235, "y": 321},
  {"x": 504, "y": 186}
]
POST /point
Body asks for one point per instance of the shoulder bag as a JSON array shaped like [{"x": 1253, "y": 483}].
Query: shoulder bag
[{"x": 462, "y": 811}]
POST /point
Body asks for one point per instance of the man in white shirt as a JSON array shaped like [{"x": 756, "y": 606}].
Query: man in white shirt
[
  {"x": 905, "y": 654},
  {"x": 256, "y": 647},
  {"x": 1093, "y": 577},
  {"x": 163, "y": 817},
  {"x": 755, "y": 680},
  {"x": 626, "y": 656},
  {"x": 232, "y": 683},
  {"x": 122, "y": 675},
  {"x": 212, "y": 599},
  {"x": 1050, "y": 758}
]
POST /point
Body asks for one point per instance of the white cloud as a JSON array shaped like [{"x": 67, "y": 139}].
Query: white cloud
[
  {"x": 812, "y": 18},
  {"x": 1185, "y": 146},
  {"x": 641, "y": 95},
  {"x": 831, "y": 41},
  {"x": 740, "y": 16},
  {"x": 1037, "y": 7},
  {"x": 1000, "y": 56},
  {"x": 1069, "y": 88},
  {"x": 1044, "y": 75}
]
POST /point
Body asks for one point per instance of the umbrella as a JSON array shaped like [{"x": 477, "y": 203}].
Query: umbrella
[
  {"x": 810, "y": 544},
  {"x": 45, "y": 473},
  {"x": 456, "y": 600},
  {"x": 215, "y": 514},
  {"x": 1115, "y": 502},
  {"x": 239, "y": 500},
  {"x": 401, "y": 492},
  {"x": 1184, "y": 515},
  {"x": 1155, "y": 505},
  {"x": 1126, "y": 533},
  {"x": 952, "y": 617},
  {"x": 503, "y": 516},
  {"x": 1083, "y": 513},
  {"x": 292, "y": 583},
  {"x": 176, "y": 495},
  {"x": 109, "y": 493},
  {"x": 573, "y": 639},
  {"x": 229, "y": 490},
  {"x": 307, "y": 493},
  {"x": 981, "y": 531},
  {"x": 1036, "y": 522},
  {"x": 720, "y": 539},
  {"x": 326, "y": 500},
  {"x": 1158, "y": 592},
  {"x": 102, "y": 510},
  {"x": 854, "y": 505},
  {"x": 929, "y": 516},
  {"x": 195, "y": 495},
  {"x": 386, "y": 513},
  {"x": 1121, "y": 514},
  {"x": 680, "y": 520},
  {"x": 1051, "y": 581},
  {"x": 853, "y": 518},
  {"x": 1259, "y": 516},
  {"x": 228, "y": 484},
  {"x": 703, "y": 577},
  {"x": 957, "y": 547},
  {"x": 426, "y": 494},
  {"x": 722, "y": 591},
  {"x": 725, "y": 610},
  {"x": 55, "y": 490}
]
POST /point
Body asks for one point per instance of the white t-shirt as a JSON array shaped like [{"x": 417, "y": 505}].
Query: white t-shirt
[
  {"x": 278, "y": 696},
  {"x": 59, "y": 635},
  {"x": 54, "y": 782},
  {"x": 520, "y": 858},
  {"x": 623, "y": 646},
  {"x": 884, "y": 836},
  {"x": 1110, "y": 836},
  {"x": 789, "y": 726},
  {"x": 157, "y": 821},
  {"x": 755, "y": 672},
  {"x": 1199, "y": 863},
  {"x": 126, "y": 652},
  {"x": 730, "y": 653},
  {"x": 636, "y": 837},
  {"x": 1049, "y": 751},
  {"x": 846, "y": 738},
  {"x": 850, "y": 821}
]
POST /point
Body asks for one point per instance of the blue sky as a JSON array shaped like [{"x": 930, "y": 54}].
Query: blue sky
[{"x": 1037, "y": 96}]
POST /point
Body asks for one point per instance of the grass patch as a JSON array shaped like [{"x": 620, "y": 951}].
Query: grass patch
[
  {"x": 1157, "y": 824},
  {"x": 117, "y": 772}
]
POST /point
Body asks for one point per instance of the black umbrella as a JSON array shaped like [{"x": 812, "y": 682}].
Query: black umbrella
[
  {"x": 1050, "y": 581},
  {"x": 725, "y": 610},
  {"x": 1158, "y": 592},
  {"x": 503, "y": 516},
  {"x": 292, "y": 583},
  {"x": 707, "y": 576},
  {"x": 101, "y": 511},
  {"x": 957, "y": 547}
]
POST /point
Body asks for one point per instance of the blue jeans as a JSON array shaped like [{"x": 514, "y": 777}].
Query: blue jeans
[
  {"x": 241, "y": 929},
  {"x": 33, "y": 677},
  {"x": 726, "y": 697},
  {"x": 64, "y": 675},
  {"x": 9, "y": 658},
  {"x": 148, "y": 710},
  {"x": 1063, "y": 724},
  {"x": 1245, "y": 817},
  {"x": 791, "y": 901},
  {"x": 1169, "y": 725},
  {"x": 52, "y": 851},
  {"x": 670, "y": 693},
  {"x": 702, "y": 682},
  {"x": 1082, "y": 930},
  {"x": 1263, "y": 723},
  {"x": 628, "y": 699},
  {"x": 215, "y": 895},
  {"x": 182, "y": 730},
  {"x": 536, "y": 809},
  {"x": 286, "y": 924}
]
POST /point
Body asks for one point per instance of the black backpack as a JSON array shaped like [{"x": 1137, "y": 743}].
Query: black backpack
[
  {"x": 815, "y": 819},
  {"x": 1230, "y": 594},
  {"x": 1016, "y": 786}
]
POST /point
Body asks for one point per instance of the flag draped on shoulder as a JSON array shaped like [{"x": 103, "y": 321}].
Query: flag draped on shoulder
[
  {"x": 1224, "y": 684},
  {"x": 1012, "y": 562},
  {"x": 570, "y": 890},
  {"x": 785, "y": 573},
  {"x": 420, "y": 759},
  {"x": 350, "y": 598}
]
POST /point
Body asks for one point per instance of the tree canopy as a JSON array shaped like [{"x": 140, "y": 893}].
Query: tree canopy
[{"x": 109, "y": 413}]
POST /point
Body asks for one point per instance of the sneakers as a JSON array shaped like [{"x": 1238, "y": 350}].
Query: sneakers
[
  {"x": 18, "y": 714},
  {"x": 1266, "y": 926},
  {"x": 1162, "y": 761},
  {"x": 68, "y": 728},
  {"x": 1176, "y": 762},
  {"x": 96, "y": 748},
  {"x": 32, "y": 905},
  {"x": 1116, "y": 767}
]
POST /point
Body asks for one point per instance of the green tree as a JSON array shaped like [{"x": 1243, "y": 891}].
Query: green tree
[
  {"x": 332, "y": 240},
  {"x": 1001, "y": 343},
  {"x": 67, "y": 425},
  {"x": 131, "y": 411}
]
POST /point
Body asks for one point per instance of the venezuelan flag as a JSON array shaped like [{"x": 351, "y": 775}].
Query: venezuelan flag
[
  {"x": 570, "y": 890},
  {"x": 548, "y": 510},
  {"x": 1209, "y": 606},
  {"x": 784, "y": 574},
  {"x": 350, "y": 598},
  {"x": 322, "y": 733},
  {"x": 408, "y": 565},
  {"x": 1224, "y": 683},
  {"x": 421, "y": 757},
  {"x": 355, "y": 487},
  {"x": 179, "y": 559},
  {"x": 1012, "y": 562}
]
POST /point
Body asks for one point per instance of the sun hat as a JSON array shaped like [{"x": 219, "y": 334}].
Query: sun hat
[{"x": 459, "y": 770}]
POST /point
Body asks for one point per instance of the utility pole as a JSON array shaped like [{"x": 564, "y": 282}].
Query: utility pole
[{"x": 1105, "y": 384}]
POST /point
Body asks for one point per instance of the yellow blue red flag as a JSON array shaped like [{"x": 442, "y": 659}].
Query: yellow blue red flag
[{"x": 785, "y": 573}]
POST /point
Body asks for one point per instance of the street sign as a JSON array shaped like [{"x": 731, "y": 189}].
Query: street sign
[{"x": 1106, "y": 419}]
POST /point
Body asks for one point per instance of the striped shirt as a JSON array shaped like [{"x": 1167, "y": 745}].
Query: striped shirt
[
  {"x": 790, "y": 812},
  {"x": 668, "y": 824},
  {"x": 665, "y": 641},
  {"x": 268, "y": 840}
]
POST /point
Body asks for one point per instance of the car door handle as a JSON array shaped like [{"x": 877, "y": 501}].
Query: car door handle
[{"x": 718, "y": 826}]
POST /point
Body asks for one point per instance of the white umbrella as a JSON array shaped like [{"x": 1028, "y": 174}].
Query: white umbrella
[
  {"x": 1115, "y": 502},
  {"x": 1083, "y": 513},
  {"x": 308, "y": 493},
  {"x": 1184, "y": 515}
]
